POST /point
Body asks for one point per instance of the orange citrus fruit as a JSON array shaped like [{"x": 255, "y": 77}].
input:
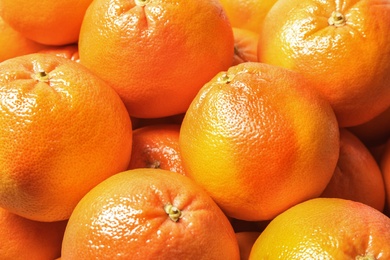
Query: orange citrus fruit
[
  {"x": 374, "y": 132},
  {"x": 258, "y": 139},
  {"x": 141, "y": 122},
  {"x": 245, "y": 46},
  {"x": 45, "y": 21},
  {"x": 70, "y": 51},
  {"x": 357, "y": 175},
  {"x": 247, "y": 14},
  {"x": 342, "y": 47},
  {"x": 148, "y": 214},
  {"x": 377, "y": 151},
  {"x": 326, "y": 228},
  {"x": 14, "y": 43},
  {"x": 385, "y": 167},
  {"x": 62, "y": 131},
  {"x": 157, "y": 146},
  {"x": 21, "y": 238},
  {"x": 246, "y": 239},
  {"x": 156, "y": 54}
]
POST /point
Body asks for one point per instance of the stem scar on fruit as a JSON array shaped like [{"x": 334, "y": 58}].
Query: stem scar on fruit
[
  {"x": 41, "y": 76},
  {"x": 173, "y": 212},
  {"x": 337, "y": 19},
  {"x": 225, "y": 78}
]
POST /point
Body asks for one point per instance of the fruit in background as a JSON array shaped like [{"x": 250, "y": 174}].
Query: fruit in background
[
  {"x": 70, "y": 51},
  {"x": 325, "y": 228},
  {"x": 343, "y": 47},
  {"x": 377, "y": 151},
  {"x": 247, "y": 14},
  {"x": 240, "y": 225},
  {"x": 259, "y": 140},
  {"x": 141, "y": 122},
  {"x": 156, "y": 54},
  {"x": 63, "y": 130},
  {"x": 357, "y": 176},
  {"x": 385, "y": 167},
  {"x": 245, "y": 46},
  {"x": 14, "y": 43},
  {"x": 246, "y": 240},
  {"x": 21, "y": 238},
  {"x": 376, "y": 131},
  {"x": 45, "y": 21},
  {"x": 157, "y": 146},
  {"x": 148, "y": 214}
]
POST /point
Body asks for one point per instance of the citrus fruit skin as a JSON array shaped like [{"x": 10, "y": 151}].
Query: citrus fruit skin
[
  {"x": 62, "y": 131},
  {"x": 385, "y": 168},
  {"x": 374, "y": 132},
  {"x": 14, "y": 43},
  {"x": 246, "y": 239},
  {"x": 157, "y": 146},
  {"x": 325, "y": 228},
  {"x": 247, "y": 14},
  {"x": 245, "y": 46},
  {"x": 22, "y": 238},
  {"x": 258, "y": 140},
  {"x": 157, "y": 55},
  {"x": 69, "y": 51},
  {"x": 125, "y": 217},
  {"x": 342, "y": 47},
  {"x": 357, "y": 175},
  {"x": 45, "y": 21}
]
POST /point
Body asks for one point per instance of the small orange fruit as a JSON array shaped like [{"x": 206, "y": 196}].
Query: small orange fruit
[
  {"x": 357, "y": 176},
  {"x": 325, "y": 228},
  {"x": 246, "y": 239},
  {"x": 157, "y": 146},
  {"x": 385, "y": 167},
  {"x": 21, "y": 238},
  {"x": 14, "y": 43},
  {"x": 62, "y": 131},
  {"x": 70, "y": 51},
  {"x": 245, "y": 46},
  {"x": 148, "y": 214},
  {"x": 374, "y": 132},
  {"x": 156, "y": 54},
  {"x": 45, "y": 21},
  {"x": 378, "y": 151},
  {"x": 259, "y": 140},
  {"x": 341, "y": 46},
  {"x": 247, "y": 14}
]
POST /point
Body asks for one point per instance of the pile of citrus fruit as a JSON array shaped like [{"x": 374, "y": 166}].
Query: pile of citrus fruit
[{"x": 207, "y": 129}]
